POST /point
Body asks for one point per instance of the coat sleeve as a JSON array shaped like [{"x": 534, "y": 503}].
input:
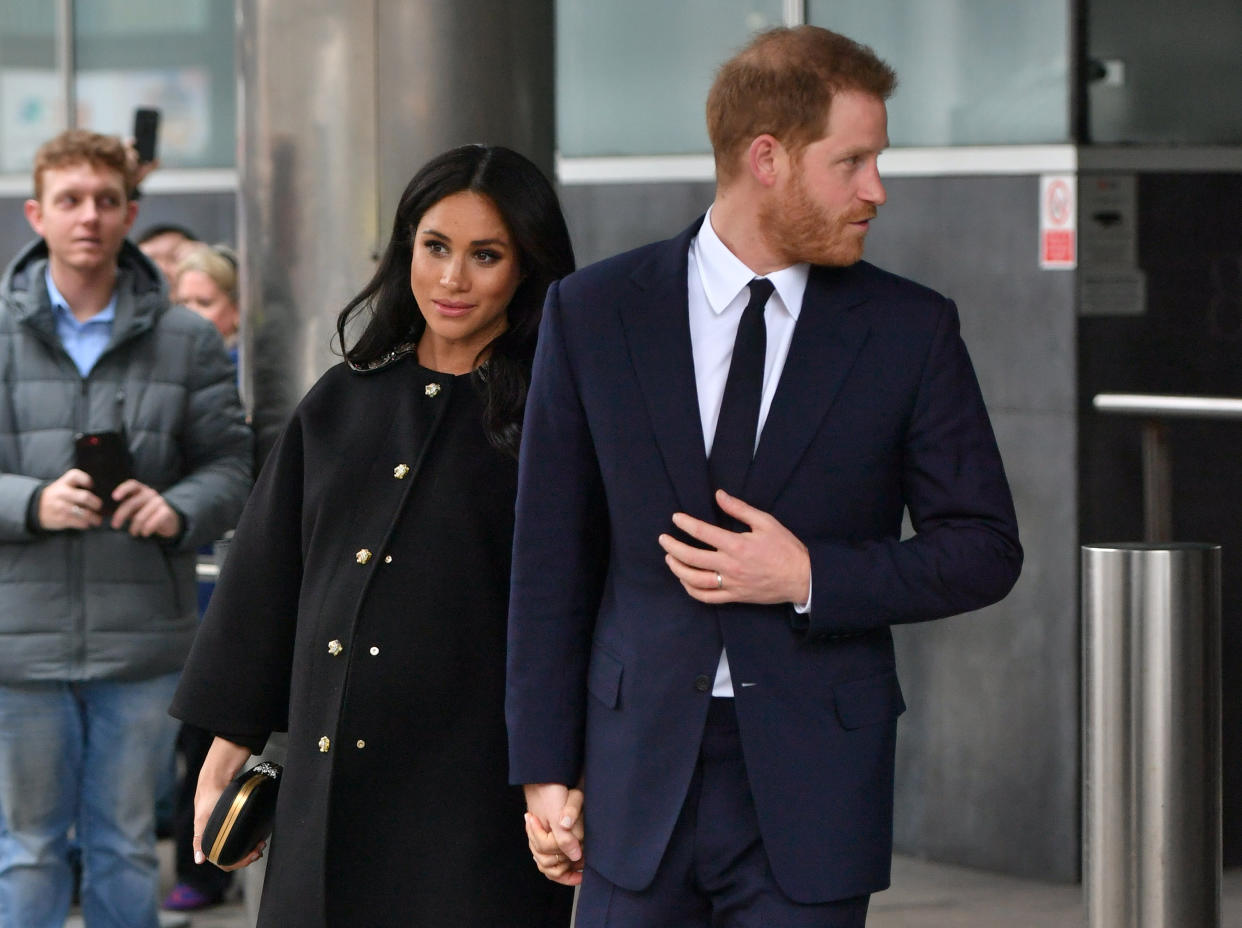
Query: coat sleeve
[
  {"x": 16, "y": 495},
  {"x": 237, "y": 677},
  {"x": 559, "y": 558},
  {"x": 965, "y": 552},
  {"x": 217, "y": 446}
]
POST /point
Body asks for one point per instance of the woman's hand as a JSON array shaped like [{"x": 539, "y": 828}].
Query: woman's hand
[
  {"x": 223, "y": 762},
  {"x": 557, "y": 848}
]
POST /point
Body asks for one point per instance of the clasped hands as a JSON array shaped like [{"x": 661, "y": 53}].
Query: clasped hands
[
  {"x": 554, "y": 831},
  {"x": 68, "y": 503}
]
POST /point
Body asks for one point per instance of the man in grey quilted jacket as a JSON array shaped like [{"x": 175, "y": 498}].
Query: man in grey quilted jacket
[{"x": 97, "y": 593}]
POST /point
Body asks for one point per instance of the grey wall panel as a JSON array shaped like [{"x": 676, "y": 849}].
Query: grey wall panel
[
  {"x": 988, "y": 751},
  {"x": 975, "y": 239},
  {"x": 607, "y": 219},
  {"x": 15, "y": 231},
  {"x": 988, "y": 756}
]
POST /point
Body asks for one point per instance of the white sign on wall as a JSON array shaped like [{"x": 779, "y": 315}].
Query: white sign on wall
[{"x": 1058, "y": 221}]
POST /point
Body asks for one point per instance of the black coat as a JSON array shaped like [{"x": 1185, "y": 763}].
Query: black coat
[{"x": 363, "y": 609}]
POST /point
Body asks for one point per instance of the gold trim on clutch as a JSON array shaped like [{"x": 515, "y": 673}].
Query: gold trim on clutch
[{"x": 239, "y": 802}]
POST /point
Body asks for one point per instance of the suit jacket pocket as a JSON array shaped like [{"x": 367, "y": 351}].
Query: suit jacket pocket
[
  {"x": 868, "y": 701},
  {"x": 604, "y": 677}
]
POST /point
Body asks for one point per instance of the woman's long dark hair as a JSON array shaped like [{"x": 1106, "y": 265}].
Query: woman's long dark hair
[{"x": 531, "y": 213}]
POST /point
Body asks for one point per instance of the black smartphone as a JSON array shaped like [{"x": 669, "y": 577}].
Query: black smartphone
[
  {"x": 105, "y": 456},
  {"x": 146, "y": 130}
]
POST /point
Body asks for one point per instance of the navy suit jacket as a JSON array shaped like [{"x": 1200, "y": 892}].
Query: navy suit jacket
[{"x": 610, "y": 661}]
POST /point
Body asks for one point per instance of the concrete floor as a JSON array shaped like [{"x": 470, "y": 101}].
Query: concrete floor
[{"x": 923, "y": 895}]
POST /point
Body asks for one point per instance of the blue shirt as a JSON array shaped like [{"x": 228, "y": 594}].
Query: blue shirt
[{"x": 84, "y": 341}]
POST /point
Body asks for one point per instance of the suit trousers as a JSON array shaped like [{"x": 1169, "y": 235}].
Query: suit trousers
[{"x": 714, "y": 873}]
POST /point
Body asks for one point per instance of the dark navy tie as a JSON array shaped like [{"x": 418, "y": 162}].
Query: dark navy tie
[{"x": 734, "y": 443}]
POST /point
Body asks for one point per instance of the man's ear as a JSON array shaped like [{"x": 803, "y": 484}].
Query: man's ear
[
  {"x": 766, "y": 159},
  {"x": 34, "y": 216},
  {"x": 131, "y": 213}
]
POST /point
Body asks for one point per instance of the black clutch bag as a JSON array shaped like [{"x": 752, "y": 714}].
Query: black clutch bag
[{"x": 243, "y": 815}]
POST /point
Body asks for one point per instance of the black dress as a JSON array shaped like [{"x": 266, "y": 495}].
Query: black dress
[{"x": 395, "y": 807}]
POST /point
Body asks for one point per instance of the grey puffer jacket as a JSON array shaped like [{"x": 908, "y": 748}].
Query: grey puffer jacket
[{"x": 100, "y": 604}]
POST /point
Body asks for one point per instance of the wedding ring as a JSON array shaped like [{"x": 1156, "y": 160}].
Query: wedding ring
[
  {"x": 77, "y": 510},
  {"x": 719, "y": 581}
]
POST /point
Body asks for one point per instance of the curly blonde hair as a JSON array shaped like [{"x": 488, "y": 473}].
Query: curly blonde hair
[{"x": 75, "y": 146}]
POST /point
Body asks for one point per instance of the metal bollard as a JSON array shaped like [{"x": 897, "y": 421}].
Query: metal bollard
[{"x": 1152, "y": 735}]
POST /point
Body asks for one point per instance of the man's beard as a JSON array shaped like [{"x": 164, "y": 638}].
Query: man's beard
[{"x": 799, "y": 229}]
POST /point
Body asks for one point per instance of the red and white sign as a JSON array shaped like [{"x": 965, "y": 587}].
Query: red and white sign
[{"x": 1058, "y": 221}]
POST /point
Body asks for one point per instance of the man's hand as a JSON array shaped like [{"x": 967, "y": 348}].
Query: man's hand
[
  {"x": 767, "y": 564},
  {"x": 224, "y": 761},
  {"x": 145, "y": 510},
  {"x": 67, "y": 502},
  {"x": 138, "y": 169},
  {"x": 554, "y": 831}
]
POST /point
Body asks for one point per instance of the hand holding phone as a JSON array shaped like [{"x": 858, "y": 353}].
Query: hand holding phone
[{"x": 105, "y": 457}]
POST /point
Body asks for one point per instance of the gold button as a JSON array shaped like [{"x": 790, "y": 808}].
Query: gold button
[
  {"x": 400, "y": 471},
  {"x": 374, "y": 650},
  {"x": 363, "y": 556},
  {"x": 324, "y": 744},
  {"x": 387, "y": 558},
  {"x": 432, "y": 389},
  {"x": 361, "y": 744},
  {"x": 334, "y": 647}
]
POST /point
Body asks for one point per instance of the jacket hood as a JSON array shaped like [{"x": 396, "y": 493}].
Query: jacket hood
[{"x": 135, "y": 271}]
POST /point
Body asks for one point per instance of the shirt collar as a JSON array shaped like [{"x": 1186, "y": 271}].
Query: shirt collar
[
  {"x": 62, "y": 308},
  {"x": 724, "y": 276}
]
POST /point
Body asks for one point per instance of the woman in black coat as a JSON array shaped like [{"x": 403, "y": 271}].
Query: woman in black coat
[{"x": 364, "y": 600}]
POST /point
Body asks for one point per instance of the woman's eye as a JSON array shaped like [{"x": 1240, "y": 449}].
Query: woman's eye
[
  {"x": 487, "y": 257},
  {"x": 435, "y": 248}
]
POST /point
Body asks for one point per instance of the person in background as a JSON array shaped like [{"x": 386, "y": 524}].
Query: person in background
[
  {"x": 164, "y": 243},
  {"x": 363, "y": 604},
  {"x": 96, "y": 585},
  {"x": 205, "y": 281}
]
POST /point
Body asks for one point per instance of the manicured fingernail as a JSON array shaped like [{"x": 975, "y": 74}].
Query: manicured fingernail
[
  {"x": 198, "y": 857},
  {"x": 567, "y": 822}
]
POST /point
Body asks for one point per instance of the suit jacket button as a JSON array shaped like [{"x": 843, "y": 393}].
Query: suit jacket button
[
  {"x": 324, "y": 744},
  {"x": 363, "y": 556},
  {"x": 702, "y": 683},
  {"x": 335, "y": 647}
]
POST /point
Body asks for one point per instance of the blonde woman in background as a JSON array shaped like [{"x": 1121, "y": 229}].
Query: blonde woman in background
[{"x": 206, "y": 282}]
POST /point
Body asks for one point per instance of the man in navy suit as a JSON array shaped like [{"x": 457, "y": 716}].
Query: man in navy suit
[{"x": 722, "y": 434}]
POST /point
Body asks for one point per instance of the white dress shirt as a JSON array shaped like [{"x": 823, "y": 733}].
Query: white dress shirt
[{"x": 718, "y": 291}]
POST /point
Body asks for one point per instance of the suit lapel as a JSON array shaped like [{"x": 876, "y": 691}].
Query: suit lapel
[
  {"x": 825, "y": 344},
  {"x": 657, "y": 332}
]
